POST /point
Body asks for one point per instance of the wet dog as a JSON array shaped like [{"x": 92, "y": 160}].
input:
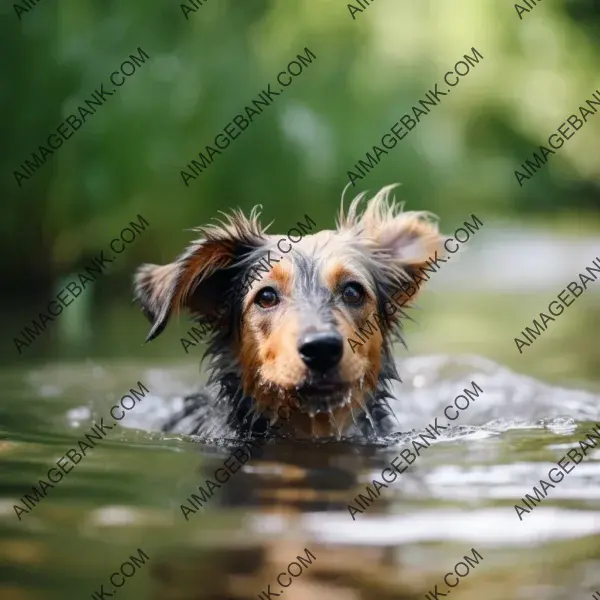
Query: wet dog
[{"x": 313, "y": 334}]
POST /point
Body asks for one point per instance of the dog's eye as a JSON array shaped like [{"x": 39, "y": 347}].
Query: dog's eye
[
  {"x": 353, "y": 293},
  {"x": 267, "y": 298}
]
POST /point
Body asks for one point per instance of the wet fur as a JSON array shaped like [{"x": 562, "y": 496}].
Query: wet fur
[{"x": 255, "y": 366}]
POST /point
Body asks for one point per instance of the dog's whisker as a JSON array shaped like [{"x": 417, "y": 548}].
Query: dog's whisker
[
  {"x": 365, "y": 408},
  {"x": 352, "y": 415},
  {"x": 254, "y": 419},
  {"x": 333, "y": 421},
  {"x": 275, "y": 416}
]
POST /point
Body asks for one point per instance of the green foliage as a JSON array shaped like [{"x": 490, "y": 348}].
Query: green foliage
[{"x": 294, "y": 157}]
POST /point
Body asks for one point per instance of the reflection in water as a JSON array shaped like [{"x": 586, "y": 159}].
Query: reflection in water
[
  {"x": 285, "y": 481},
  {"x": 241, "y": 574}
]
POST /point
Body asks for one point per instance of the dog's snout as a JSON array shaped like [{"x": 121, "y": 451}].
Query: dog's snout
[{"x": 321, "y": 351}]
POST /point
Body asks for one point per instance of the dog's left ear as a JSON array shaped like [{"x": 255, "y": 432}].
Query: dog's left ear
[
  {"x": 200, "y": 277},
  {"x": 402, "y": 241}
]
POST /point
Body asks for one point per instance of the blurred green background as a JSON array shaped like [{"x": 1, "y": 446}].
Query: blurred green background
[{"x": 293, "y": 159}]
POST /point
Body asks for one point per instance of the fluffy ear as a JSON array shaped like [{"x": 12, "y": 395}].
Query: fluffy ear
[
  {"x": 401, "y": 241},
  {"x": 199, "y": 278}
]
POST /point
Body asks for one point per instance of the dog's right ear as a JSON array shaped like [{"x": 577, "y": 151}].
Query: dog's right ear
[{"x": 198, "y": 278}]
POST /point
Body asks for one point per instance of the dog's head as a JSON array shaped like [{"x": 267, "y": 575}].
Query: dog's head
[{"x": 308, "y": 315}]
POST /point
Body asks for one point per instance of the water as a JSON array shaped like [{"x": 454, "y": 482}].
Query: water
[{"x": 457, "y": 496}]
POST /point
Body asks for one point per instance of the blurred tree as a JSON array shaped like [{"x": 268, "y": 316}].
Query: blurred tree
[{"x": 294, "y": 157}]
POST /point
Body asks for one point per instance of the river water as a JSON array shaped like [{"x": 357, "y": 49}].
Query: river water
[
  {"x": 458, "y": 495},
  {"x": 282, "y": 524}
]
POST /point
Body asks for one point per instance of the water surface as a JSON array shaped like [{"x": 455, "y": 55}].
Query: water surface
[{"x": 458, "y": 495}]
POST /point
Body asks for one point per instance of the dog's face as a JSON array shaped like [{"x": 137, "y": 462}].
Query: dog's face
[{"x": 306, "y": 319}]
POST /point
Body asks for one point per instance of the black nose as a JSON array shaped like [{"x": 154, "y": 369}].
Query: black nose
[{"x": 321, "y": 351}]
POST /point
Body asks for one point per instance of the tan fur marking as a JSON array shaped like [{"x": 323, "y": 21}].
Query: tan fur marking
[
  {"x": 335, "y": 272},
  {"x": 286, "y": 368},
  {"x": 282, "y": 273}
]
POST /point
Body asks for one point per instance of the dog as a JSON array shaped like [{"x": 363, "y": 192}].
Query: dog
[{"x": 296, "y": 337}]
